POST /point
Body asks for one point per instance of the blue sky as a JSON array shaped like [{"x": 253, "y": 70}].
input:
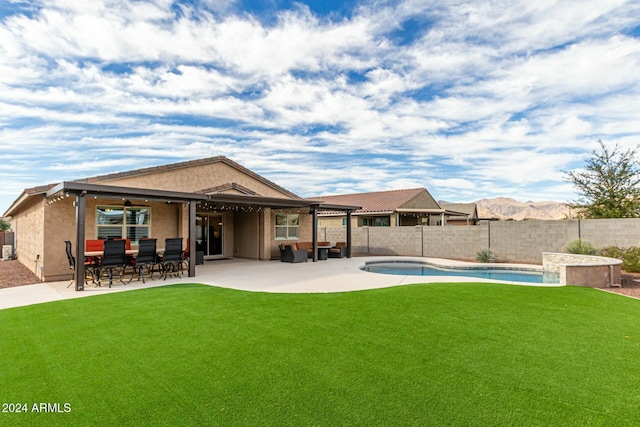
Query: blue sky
[{"x": 470, "y": 99}]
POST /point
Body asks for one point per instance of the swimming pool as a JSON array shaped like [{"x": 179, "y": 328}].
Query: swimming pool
[{"x": 406, "y": 268}]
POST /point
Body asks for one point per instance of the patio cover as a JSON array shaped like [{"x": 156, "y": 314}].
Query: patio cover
[{"x": 81, "y": 190}]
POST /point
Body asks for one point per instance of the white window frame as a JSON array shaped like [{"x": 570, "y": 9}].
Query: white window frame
[
  {"x": 286, "y": 226},
  {"x": 124, "y": 227}
]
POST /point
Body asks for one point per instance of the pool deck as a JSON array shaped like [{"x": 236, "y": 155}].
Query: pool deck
[{"x": 332, "y": 275}]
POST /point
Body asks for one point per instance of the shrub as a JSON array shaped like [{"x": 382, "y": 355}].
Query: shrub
[
  {"x": 613, "y": 252},
  {"x": 630, "y": 257},
  {"x": 631, "y": 260},
  {"x": 581, "y": 247},
  {"x": 485, "y": 255}
]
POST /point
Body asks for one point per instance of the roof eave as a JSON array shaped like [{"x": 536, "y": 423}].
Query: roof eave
[
  {"x": 420, "y": 210},
  {"x": 215, "y": 200},
  {"x": 20, "y": 200},
  {"x": 108, "y": 191}
]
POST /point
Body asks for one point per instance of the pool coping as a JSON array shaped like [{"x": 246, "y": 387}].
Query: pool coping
[
  {"x": 446, "y": 264},
  {"x": 467, "y": 266}
]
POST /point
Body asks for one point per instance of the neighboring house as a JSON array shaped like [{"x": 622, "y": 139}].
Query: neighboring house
[
  {"x": 393, "y": 208},
  {"x": 226, "y": 209},
  {"x": 470, "y": 211}
]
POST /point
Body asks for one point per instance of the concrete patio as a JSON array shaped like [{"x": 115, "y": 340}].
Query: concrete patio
[{"x": 333, "y": 275}]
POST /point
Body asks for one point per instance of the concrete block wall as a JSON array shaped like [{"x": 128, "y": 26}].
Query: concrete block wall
[
  {"x": 510, "y": 241},
  {"x": 333, "y": 234},
  {"x": 460, "y": 242},
  {"x": 405, "y": 241},
  {"x": 524, "y": 241},
  {"x": 611, "y": 232}
]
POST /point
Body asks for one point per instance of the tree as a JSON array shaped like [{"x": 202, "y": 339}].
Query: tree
[
  {"x": 4, "y": 225},
  {"x": 608, "y": 187}
]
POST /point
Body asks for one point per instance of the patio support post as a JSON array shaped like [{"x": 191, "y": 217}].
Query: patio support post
[
  {"x": 192, "y": 238},
  {"x": 81, "y": 213},
  {"x": 314, "y": 228},
  {"x": 348, "y": 234}
]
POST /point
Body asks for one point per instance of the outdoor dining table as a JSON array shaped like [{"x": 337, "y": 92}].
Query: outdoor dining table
[
  {"x": 101, "y": 253},
  {"x": 130, "y": 252}
]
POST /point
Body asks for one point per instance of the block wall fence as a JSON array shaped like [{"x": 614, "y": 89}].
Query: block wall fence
[{"x": 509, "y": 241}]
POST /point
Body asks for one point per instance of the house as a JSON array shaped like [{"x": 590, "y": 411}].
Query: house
[
  {"x": 395, "y": 208},
  {"x": 224, "y": 208},
  {"x": 470, "y": 211}
]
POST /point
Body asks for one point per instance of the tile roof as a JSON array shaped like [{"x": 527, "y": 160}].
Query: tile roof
[
  {"x": 187, "y": 164},
  {"x": 377, "y": 201},
  {"x": 30, "y": 192}
]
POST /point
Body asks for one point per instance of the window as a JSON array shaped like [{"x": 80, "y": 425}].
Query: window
[
  {"x": 376, "y": 221},
  {"x": 287, "y": 226},
  {"x": 123, "y": 222}
]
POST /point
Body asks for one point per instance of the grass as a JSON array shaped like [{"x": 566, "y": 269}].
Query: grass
[{"x": 450, "y": 354}]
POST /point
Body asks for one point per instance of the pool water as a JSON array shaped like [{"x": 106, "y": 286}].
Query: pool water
[{"x": 493, "y": 273}]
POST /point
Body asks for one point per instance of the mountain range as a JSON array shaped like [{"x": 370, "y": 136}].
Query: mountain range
[{"x": 506, "y": 208}]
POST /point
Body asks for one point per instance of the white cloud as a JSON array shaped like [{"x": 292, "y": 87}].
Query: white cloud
[{"x": 484, "y": 98}]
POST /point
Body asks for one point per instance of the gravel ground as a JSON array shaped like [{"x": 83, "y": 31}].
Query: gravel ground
[{"x": 13, "y": 273}]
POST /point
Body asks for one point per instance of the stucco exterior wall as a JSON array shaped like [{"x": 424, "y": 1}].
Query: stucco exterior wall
[
  {"x": 247, "y": 235},
  {"x": 335, "y": 221},
  {"x": 59, "y": 225},
  {"x": 266, "y": 243},
  {"x": 28, "y": 226},
  {"x": 306, "y": 230},
  {"x": 196, "y": 178}
]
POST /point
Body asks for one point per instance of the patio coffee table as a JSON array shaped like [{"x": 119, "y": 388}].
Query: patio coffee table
[{"x": 323, "y": 252}]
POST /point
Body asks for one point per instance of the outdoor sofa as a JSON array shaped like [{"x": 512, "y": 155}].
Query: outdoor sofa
[
  {"x": 339, "y": 250},
  {"x": 308, "y": 246}
]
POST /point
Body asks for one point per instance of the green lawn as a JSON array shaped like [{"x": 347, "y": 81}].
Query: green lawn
[{"x": 450, "y": 354}]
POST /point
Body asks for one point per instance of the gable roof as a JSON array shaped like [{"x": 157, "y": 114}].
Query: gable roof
[
  {"x": 470, "y": 209},
  {"x": 230, "y": 187},
  {"x": 385, "y": 201},
  {"x": 187, "y": 164},
  {"x": 43, "y": 189}
]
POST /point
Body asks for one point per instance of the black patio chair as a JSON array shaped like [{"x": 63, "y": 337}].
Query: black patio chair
[
  {"x": 89, "y": 267},
  {"x": 172, "y": 260},
  {"x": 289, "y": 254},
  {"x": 113, "y": 259},
  {"x": 146, "y": 259}
]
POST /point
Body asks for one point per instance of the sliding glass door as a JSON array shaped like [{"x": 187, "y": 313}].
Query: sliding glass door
[{"x": 209, "y": 235}]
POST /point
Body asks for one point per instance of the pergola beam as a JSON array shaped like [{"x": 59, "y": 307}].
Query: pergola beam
[{"x": 81, "y": 191}]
